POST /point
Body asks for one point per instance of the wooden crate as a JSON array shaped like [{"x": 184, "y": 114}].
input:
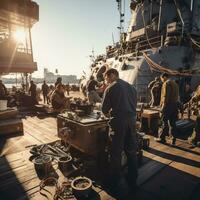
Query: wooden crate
[
  {"x": 11, "y": 126},
  {"x": 150, "y": 120},
  {"x": 9, "y": 113}
]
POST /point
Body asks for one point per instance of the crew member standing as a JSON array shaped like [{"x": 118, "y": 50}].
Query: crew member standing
[
  {"x": 45, "y": 90},
  {"x": 93, "y": 96},
  {"x": 169, "y": 107},
  {"x": 32, "y": 91},
  {"x": 119, "y": 102},
  {"x": 3, "y": 90}
]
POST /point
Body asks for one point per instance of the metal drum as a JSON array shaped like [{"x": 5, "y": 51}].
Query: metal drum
[
  {"x": 43, "y": 164},
  {"x": 65, "y": 163},
  {"x": 81, "y": 186}
]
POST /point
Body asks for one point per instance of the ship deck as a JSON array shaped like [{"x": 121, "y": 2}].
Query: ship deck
[{"x": 166, "y": 172}]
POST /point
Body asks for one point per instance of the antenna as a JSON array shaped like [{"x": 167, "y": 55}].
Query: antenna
[
  {"x": 92, "y": 56},
  {"x": 121, "y": 16},
  {"x": 93, "y": 52},
  {"x": 124, "y": 9},
  {"x": 113, "y": 40}
]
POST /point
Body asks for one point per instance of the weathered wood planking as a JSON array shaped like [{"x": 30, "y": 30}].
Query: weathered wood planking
[{"x": 165, "y": 174}]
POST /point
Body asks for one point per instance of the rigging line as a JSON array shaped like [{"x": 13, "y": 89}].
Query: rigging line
[
  {"x": 195, "y": 42},
  {"x": 180, "y": 16},
  {"x": 146, "y": 34},
  {"x": 161, "y": 68},
  {"x": 173, "y": 72},
  {"x": 124, "y": 10},
  {"x": 198, "y": 42}
]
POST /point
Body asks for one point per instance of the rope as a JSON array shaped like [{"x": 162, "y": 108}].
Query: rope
[
  {"x": 195, "y": 42},
  {"x": 62, "y": 192},
  {"x": 43, "y": 184},
  {"x": 159, "y": 68}
]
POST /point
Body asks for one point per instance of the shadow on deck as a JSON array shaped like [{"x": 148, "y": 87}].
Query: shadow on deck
[{"x": 167, "y": 173}]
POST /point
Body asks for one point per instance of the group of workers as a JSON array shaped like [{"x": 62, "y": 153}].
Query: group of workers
[
  {"x": 52, "y": 94},
  {"x": 155, "y": 86},
  {"x": 119, "y": 102}
]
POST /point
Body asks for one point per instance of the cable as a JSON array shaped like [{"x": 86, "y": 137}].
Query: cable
[
  {"x": 159, "y": 68},
  {"x": 195, "y": 42},
  {"x": 146, "y": 34}
]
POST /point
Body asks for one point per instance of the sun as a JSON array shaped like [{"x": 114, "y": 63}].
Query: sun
[{"x": 19, "y": 36}]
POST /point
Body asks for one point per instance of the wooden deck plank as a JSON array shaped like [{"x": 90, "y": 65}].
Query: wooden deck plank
[
  {"x": 170, "y": 184},
  {"x": 35, "y": 125},
  {"x": 17, "y": 144},
  {"x": 162, "y": 165}
]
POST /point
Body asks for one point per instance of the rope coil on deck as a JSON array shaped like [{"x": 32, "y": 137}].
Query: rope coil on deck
[{"x": 62, "y": 192}]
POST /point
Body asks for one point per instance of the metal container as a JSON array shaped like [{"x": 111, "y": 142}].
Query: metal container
[
  {"x": 81, "y": 186},
  {"x": 65, "y": 163},
  {"x": 89, "y": 135},
  {"x": 43, "y": 164}
]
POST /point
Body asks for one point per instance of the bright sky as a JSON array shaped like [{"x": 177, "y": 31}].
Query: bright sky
[{"x": 68, "y": 30}]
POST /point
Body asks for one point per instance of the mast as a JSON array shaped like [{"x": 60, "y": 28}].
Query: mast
[{"x": 121, "y": 16}]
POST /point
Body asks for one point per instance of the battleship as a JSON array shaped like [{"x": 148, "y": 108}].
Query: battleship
[
  {"x": 51, "y": 155},
  {"x": 162, "y": 37}
]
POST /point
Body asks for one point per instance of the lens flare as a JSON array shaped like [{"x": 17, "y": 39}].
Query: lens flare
[{"x": 20, "y": 36}]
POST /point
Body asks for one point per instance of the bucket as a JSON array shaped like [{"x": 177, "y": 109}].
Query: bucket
[
  {"x": 43, "y": 165},
  {"x": 3, "y": 105},
  {"x": 65, "y": 164},
  {"x": 81, "y": 187}
]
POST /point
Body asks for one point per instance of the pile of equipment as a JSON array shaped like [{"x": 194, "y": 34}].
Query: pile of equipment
[{"x": 9, "y": 120}]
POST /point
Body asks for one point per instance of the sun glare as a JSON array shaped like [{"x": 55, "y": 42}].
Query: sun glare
[{"x": 20, "y": 36}]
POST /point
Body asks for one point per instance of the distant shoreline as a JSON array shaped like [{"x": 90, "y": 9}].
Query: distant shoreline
[{"x": 39, "y": 85}]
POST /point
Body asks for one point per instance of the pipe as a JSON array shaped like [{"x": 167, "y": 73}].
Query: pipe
[
  {"x": 160, "y": 14},
  {"x": 191, "y": 5},
  {"x": 30, "y": 39},
  {"x": 151, "y": 10}
]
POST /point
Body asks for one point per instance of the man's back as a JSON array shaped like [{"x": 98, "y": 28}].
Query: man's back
[
  {"x": 121, "y": 97},
  {"x": 33, "y": 89},
  {"x": 170, "y": 92},
  {"x": 45, "y": 88}
]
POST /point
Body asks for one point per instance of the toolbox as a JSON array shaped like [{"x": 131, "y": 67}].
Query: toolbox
[{"x": 89, "y": 134}]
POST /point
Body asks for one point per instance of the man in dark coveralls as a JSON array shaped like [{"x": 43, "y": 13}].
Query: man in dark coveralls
[
  {"x": 33, "y": 92},
  {"x": 119, "y": 103}
]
